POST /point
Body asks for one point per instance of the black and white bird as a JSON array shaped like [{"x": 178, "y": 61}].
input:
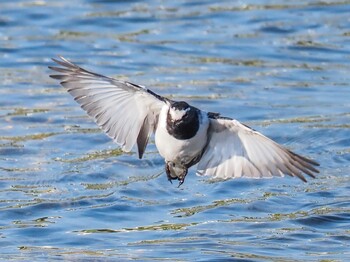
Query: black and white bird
[{"x": 184, "y": 135}]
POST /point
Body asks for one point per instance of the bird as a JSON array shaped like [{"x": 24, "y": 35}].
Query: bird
[{"x": 221, "y": 147}]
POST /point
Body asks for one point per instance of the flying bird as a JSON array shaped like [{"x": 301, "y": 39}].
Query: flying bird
[{"x": 221, "y": 147}]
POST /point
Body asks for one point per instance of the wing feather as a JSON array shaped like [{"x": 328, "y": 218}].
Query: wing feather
[
  {"x": 234, "y": 150},
  {"x": 127, "y": 112}
]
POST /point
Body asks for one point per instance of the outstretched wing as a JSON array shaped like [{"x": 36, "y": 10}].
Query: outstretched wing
[
  {"x": 234, "y": 150},
  {"x": 128, "y": 113}
]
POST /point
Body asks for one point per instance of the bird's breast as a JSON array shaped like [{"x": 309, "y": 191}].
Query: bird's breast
[{"x": 180, "y": 150}]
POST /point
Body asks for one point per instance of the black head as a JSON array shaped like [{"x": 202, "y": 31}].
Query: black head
[{"x": 182, "y": 120}]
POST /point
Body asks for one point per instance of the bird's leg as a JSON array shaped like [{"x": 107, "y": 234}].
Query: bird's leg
[
  {"x": 168, "y": 172},
  {"x": 174, "y": 171}
]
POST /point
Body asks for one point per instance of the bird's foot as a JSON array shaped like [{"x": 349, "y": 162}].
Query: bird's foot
[
  {"x": 182, "y": 179},
  {"x": 174, "y": 172}
]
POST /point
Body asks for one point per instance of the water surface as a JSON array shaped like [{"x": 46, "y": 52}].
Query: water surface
[{"x": 67, "y": 192}]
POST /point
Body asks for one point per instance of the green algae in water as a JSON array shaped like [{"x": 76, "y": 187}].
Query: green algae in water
[
  {"x": 25, "y": 138},
  {"x": 161, "y": 227},
  {"x": 27, "y": 111},
  {"x": 102, "y": 154},
  {"x": 190, "y": 211}
]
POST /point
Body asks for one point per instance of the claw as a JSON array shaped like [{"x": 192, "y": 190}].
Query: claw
[
  {"x": 181, "y": 181},
  {"x": 182, "y": 177},
  {"x": 175, "y": 171}
]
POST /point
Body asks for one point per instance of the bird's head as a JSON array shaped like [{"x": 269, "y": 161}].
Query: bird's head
[
  {"x": 182, "y": 120},
  {"x": 180, "y": 112}
]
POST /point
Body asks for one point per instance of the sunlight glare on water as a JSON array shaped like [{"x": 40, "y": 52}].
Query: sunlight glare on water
[{"x": 68, "y": 192}]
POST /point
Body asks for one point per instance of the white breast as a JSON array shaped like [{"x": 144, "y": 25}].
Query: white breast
[{"x": 180, "y": 151}]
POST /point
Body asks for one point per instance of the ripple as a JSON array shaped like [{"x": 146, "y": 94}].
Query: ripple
[
  {"x": 67, "y": 192},
  {"x": 325, "y": 221}
]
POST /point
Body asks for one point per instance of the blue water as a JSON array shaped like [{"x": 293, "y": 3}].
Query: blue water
[{"x": 67, "y": 192}]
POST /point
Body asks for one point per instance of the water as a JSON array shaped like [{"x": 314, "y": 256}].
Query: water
[{"x": 67, "y": 192}]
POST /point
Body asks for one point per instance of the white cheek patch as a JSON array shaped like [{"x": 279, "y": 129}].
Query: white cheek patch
[{"x": 177, "y": 114}]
